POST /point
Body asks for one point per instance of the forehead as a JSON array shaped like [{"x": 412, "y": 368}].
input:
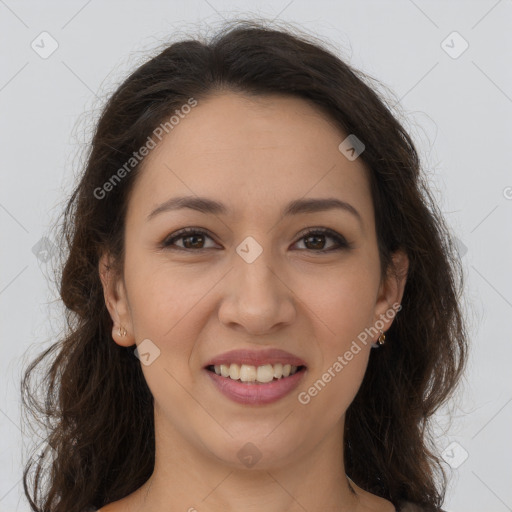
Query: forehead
[{"x": 254, "y": 154}]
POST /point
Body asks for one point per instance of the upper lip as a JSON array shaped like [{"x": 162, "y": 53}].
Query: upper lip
[{"x": 256, "y": 357}]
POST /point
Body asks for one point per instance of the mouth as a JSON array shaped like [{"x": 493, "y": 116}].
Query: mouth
[
  {"x": 255, "y": 377},
  {"x": 251, "y": 374}
]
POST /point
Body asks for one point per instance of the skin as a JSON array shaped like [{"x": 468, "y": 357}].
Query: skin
[{"x": 255, "y": 155}]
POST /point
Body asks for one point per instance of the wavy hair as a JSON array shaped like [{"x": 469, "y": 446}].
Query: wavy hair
[{"x": 96, "y": 401}]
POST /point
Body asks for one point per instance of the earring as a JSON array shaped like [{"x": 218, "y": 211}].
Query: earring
[
  {"x": 382, "y": 338},
  {"x": 122, "y": 331}
]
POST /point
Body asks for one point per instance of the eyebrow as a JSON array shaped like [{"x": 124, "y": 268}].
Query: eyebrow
[{"x": 296, "y": 207}]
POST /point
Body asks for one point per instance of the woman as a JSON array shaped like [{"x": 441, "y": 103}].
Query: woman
[{"x": 262, "y": 295}]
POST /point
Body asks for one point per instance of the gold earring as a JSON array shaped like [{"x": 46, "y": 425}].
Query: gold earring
[
  {"x": 382, "y": 338},
  {"x": 122, "y": 331}
]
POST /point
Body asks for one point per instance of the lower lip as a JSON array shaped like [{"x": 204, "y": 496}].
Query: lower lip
[{"x": 255, "y": 393}]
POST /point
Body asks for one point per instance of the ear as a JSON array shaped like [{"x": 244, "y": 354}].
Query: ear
[
  {"x": 391, "y": 290},
  {"x": 116, "y": 300}
]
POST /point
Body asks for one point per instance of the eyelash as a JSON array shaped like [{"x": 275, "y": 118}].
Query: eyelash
[{"x": 183, "y": 233}]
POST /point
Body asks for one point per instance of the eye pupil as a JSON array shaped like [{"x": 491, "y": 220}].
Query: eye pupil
[
  {"x": 193, "y": 237},
  {"x": 317, "y": 237}
]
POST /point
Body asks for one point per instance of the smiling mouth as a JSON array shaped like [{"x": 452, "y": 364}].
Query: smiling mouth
[{"x": 249, "y": 374}]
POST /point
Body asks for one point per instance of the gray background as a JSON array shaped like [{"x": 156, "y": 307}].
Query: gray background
[{"x": 457, "y": 107}]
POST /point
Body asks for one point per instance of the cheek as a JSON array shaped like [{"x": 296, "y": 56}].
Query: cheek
[
  {"x": 162, "y": 295},
  {"x": 344, "y": 306},
  {"x": 344, "y": 301},
  {"x": 165, "y": 308},
  {"x": 329, "y": 393}
]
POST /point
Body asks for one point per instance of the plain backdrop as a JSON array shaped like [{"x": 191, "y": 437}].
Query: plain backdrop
[{"x": 445, "y": 63}]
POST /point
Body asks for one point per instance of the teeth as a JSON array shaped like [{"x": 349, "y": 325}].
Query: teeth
[
  {"x": 265, "y": 373},
  {"x": 250, "y": 373},
  {"x": 247, "y": 373},
  {"x": 234, "y": 372}
]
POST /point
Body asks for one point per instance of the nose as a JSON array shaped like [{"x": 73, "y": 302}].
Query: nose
[{"x": 257, "y": 298}]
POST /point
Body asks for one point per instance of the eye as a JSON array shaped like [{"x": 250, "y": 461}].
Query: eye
[
  {"x": 193, "y": 239},
  {"x": 315, "y": 238}
]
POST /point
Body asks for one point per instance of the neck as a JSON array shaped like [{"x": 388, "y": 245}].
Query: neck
[{"x": 187, "y": 480}]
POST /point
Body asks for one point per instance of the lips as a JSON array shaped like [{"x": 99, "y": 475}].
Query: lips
[
  {"x": 255, "y": 377},
  {"x": 256, "y": 358}
]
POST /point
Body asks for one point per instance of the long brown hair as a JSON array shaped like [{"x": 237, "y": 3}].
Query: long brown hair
[{"x": 96, "y": 402}]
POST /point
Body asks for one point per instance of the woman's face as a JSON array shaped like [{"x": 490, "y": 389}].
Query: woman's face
[{"x": 250, "y": 279}]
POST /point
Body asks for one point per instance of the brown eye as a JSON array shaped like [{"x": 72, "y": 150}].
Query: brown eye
[
  {"x": 315, "y": 240},
  {"x": 192, "y": 239}
]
